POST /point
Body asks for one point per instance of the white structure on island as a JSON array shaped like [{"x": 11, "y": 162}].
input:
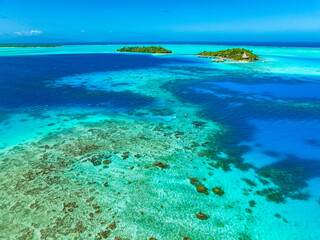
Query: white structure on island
[{"x": 245, "y": 56}]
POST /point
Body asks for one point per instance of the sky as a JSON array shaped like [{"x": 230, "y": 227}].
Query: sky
[{"x": 159, "y": 21}]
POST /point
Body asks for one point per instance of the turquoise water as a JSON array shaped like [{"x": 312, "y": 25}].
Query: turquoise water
[{"x": 97, "y": 144}]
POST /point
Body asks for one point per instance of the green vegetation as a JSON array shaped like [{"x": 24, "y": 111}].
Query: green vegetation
[
  {"x": 152, "y": 49},
  {"x": 234, "y": 53},
  {"x": 29, "y": 45}
]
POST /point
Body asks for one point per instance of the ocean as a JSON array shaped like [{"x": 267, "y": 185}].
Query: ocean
[{"x": 97, "y": 144}]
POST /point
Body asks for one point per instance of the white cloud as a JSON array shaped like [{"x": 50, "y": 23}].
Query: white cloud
[
  {"x": 35, "y": 32},
  {"x": 28, "y": 33}
]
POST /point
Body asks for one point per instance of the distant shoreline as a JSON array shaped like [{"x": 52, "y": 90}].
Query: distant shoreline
[{"x": 29, "y": 45}]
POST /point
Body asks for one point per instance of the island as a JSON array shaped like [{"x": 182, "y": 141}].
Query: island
[
  {"x": 152, "y": 49},
  {"x": 6, "y": 45},
  {"x": 237, "y": 54}
]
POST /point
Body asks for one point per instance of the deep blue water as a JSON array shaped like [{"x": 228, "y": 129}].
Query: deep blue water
[
  {"x": 24, "y": 80},
  {"x": 280, "y": 90},
  {"x": 272, "y": 122}
]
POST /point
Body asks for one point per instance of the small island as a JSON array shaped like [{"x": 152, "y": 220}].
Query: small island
[
  {"x": 152, "y": 49},
  {"x": 237, "y": 54},
  {"x": 6, "y": 45}
]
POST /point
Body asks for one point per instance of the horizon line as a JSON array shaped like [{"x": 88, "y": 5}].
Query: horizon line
[{"x": 244, "y": 43}]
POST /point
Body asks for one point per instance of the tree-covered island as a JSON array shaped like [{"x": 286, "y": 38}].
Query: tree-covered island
[
  {"x": 152, "y": 49},
  {"x": 7, "y": 45},
  {"x": 238, "y": 54}
]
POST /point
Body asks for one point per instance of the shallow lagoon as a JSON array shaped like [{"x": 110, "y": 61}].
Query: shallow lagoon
[{"x": 109, "y": 145}]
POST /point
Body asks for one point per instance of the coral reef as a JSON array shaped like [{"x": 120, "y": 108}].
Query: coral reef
[
  {"x": 218, "y": 191},
  {"x": 202, "y": 216}
]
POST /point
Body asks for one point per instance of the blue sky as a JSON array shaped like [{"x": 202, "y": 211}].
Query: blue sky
[{"x": 160, "y": 21}]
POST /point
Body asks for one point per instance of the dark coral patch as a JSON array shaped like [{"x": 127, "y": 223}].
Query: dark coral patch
[
  {"x": 202, "y": 216},
  {"x": 218, "y": 191},
  {"x": 161, "y": 165},
  {"x": 202, "y": 189}
]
